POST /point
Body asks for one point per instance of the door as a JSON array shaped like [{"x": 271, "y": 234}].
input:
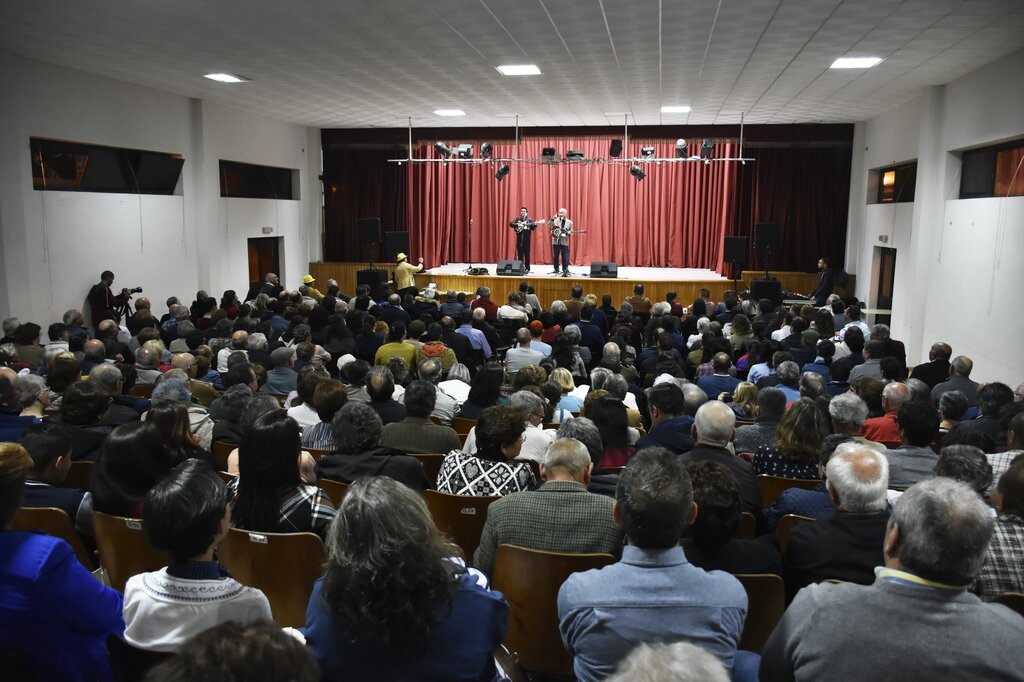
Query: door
[
  {"x": 886, "y": 275},
  {"x": 264, "y": 257}
]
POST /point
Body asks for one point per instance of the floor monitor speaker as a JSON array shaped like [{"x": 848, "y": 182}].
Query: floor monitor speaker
[
  {"x": 604, "y": 270},
  {"x": 510, "y": 268}
]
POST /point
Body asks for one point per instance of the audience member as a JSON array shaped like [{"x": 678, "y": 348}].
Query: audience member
[
  {"x": 1003, "y": 568},
  {"x": 884, "y": 429},
  {"x": 679, "y": 662},
  {"x": 936, "y": 370},
  {"x": 489, "y": 470},
  {"x": 913, "y": 460},
  {"x": 713, "y": 430},
  {"x": 959, "y": 380},
  {"x": 671, "y": 426},
  {"x": 329, "y": 396},
  {"x": 49, "y": 446},
  {"x": 794, "y": 454},
  {"x": 771, "y": 405},
  {"x": 446, "y": 408}
]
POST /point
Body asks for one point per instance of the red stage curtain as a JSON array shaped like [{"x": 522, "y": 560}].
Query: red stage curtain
[{"x": 676, "y": 217}]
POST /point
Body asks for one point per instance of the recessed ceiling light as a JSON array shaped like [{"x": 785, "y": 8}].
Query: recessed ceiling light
[
  {"x": 449, "y": 112},
  {"x": 672, "y": 109},
  {"x": 855, "y": 62},
  {"x": 518, "y": 70},
  {"x": 227, "y": 78}
]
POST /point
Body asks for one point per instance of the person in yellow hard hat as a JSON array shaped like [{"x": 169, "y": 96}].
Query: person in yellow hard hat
[
  {"x": 405, "y": 281},
  {"x": 311, "y": 291}
]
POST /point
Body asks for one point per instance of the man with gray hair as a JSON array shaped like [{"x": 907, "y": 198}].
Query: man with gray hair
[
  {"x": 560, "y": 516},
  {"x": 239, "y": 342},
  {"x": 121, "y": 410},
  {"x": 713, "y": 429},
  {"x": 281, "y": 380},
  {"x": 380, "y": 386},
  {"x": 848, "y": 544},
  {"x": 521, "y": 354},
  {"x": 10, "y": 325},
  {"x": 173, "y": 387},
  {"x": 446, "y": 407},
  {"x": 146, "y": 361},
  {"x": 11, "y": 421},
  {"x": 959, "y": 380},
  {"x": 573, "y": 333},
  {"x": 788, "y": 374},
  {"x": 678, "y": 661},
  {"x": 916, "y": 621},
  {"x": 849, "y": 412},
  {"x": 203, "y": 392},
  {"x": 884, "y": 429}
]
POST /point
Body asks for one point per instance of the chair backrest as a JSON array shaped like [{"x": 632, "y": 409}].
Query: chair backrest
[
  {"x": 226, "y": 477},
  {"x": 462, "y": 439},
  {"x": 766, "y": 597},
  {"x": 222, "y": 449},
  {"x": 55, "y": 522},
  {"x": 317, "y": 453},
  {"x": 613, "y": 470},
  {"x": 283, "y": 565},
  {"x": 130, "y": 664},
  {"x": 530, "y": 580},
  {"x": 1013, "y": 600},
  {"x": 773, "y": 486},
  {"x": 79, "y": 475},
  {"x": 431, "y": 464},
  {"x": 124, "y": 549},
  {"x": 551, "y": 425},
  {"x": 460, "y": 517},
  {"x": 463, "y": 425},
  {"x": 335, "y": 490},
  {"x": 747, "y": 529},
  {"x": 509, "y": 663},
  {"x": 141, "y": 391},
  {"x": 786, "y": 524}
]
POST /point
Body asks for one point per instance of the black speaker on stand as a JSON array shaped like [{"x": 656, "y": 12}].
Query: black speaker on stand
[
  {"x": 766, "y": 288},
  {"x": 376, "y": 279},
  {"x": 510, "y": 268},
  {"x": 767, "y": 240},
  {"x": 735, "y": 252}
]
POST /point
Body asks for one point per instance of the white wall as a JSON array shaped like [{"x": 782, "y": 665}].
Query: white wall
[
  {"x": 958, "y": 262},
  {"x": 55, "y": 244}
]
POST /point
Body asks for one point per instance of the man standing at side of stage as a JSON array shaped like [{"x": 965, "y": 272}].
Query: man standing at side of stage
[
  {"x": 826, "y": 283},
  {"x": 524, "y": 227},
  {"x": 405, "y": 280},
  {"x": 561, "y": 230}
]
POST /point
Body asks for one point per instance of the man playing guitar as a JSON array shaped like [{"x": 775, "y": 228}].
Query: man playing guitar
[
  {"x": 524, "y": 227},
  {"x": 561, "y": 230}
]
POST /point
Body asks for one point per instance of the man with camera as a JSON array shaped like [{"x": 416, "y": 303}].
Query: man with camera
[{"x": 102, "y": 298}]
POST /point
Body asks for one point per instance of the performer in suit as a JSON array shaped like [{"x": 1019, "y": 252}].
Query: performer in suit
[
  {"x": 561, "y": 230},
  {"x": 524, "y": 227},
  {"x": 826, "y": 283}
]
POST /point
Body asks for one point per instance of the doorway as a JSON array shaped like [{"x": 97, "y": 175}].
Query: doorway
[
  {"x": 264, "y": 257},
  {"x": 886, "y": 275}
]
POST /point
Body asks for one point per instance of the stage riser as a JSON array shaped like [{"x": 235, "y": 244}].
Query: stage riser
[{"x": 552, "y": 288}]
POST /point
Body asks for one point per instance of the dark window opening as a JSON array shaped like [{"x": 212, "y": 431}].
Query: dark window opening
[
  {"x": 252, "y": 181},
  {"x": 63, "y": 166},
  {"x": 896, "y": 184}
]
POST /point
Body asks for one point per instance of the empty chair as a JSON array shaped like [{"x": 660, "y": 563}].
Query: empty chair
[
  {"x": 460, "y": 517},
  {"x": 530, "y": 580},
  {"x": 772, "y": 486},
  {"x": 124, "y": 549},
  {"x": 766, "y": 597},
  {"x": 283, "y": 566},
  {"x": 55, "y": 522}
]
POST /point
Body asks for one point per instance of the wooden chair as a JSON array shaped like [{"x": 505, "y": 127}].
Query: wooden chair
[
  {"x": 766, "y": 597},
  {"x": 124, "y": 549},
  {"x": 530, "y": 580},
  {"x": 283, "y": 565},
  {"x": 335, "y": 490},
  {"x": 55, "y": 522},
  {"x": 463, "y": 425},
  {"x": 462, "y": 439},
  {"x": 437, "y": 420},
  {"x": 222, "y": 449},
  {"x": 79, "y": 476},
  {"x": 1013, "y": 600},
  {"x": 772, "y": 487},
  {"x": 747, "y": 529},
  {"x": 141, "y": 391},
  {"x": 509, "y": 663},
  {"x": 226, "y": 477},
  {"x": 460, "y": 517},
  {"x": 431, "y": 465},
  {"x": 786, "y": 524},
  {"x": 552, "y": 425},
  {"x": 613, "y": 470},
  {"x": 130, "y": 664}
]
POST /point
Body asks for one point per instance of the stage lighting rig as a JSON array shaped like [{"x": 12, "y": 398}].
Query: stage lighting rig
[
  {"x": 647, "y": 152},
  {"x": 680, "y": 148},
  {"x": 637, "y": 172},
  {"x": 574, "y": 155},
  {"x": 465, "y": 151},
  {"x": 443, "y": 150},
  {"x": 486, "y": 149},
  {"x": 707, "y": 146},
  {"x": 502, "y": 172}
]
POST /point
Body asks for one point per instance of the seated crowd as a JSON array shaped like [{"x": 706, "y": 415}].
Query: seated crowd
[{"x": 648, "y": 432}]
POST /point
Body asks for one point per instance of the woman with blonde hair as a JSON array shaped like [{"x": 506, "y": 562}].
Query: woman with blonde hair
[
  {"x": 797, "y": 448},
  {"x": 562, "y": 377},
  {"x": 744, "y": 401}
]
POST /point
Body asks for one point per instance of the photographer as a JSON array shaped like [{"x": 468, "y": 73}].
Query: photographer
[{"x": 102, "y": 298}]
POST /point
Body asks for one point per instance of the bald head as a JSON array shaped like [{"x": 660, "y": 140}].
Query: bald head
[
  {"x": 146, "y": 357},
  {"x": 567, "y": 459},
  {"x": 94, "y": 350},
  {"x": 10, "y": 389},
  {"x": 106, "y": 329},
  {"x": 714, "y": 424},
  {"x": 894, "y": 395},
  {"x": 186, "y": 362},
  {"x": 240, "y": 339},
  {"x": 961, "y": 365},
  {"x": 857, "y": 478}
]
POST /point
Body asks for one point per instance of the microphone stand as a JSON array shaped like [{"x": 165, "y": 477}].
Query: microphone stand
[{"x": 469, "y": 249}]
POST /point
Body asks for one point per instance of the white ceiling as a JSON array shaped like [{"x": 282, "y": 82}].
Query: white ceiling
[{"x": 349, "y": 63}]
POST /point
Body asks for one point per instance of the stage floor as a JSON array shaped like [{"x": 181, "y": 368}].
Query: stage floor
[{"x": 625, "y": 272}]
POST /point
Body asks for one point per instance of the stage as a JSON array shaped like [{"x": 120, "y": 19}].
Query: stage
[{"x": 686, "y": 282}]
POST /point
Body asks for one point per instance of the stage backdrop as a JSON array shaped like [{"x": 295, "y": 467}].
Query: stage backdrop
[{"x": 676, "y": 217}]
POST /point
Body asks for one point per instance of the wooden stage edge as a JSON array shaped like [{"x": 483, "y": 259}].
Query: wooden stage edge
[{"x": 559, "y": 288}]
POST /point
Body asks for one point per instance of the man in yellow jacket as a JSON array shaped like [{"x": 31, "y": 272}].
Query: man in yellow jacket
[{"x": 405, "y": 281}]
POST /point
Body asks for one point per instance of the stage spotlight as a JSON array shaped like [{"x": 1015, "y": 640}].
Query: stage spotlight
[
  {"x": 706, "y": 147},
  {"x": 575, "y": 154},
  {"x": 465, "y": 151},
  {"x": 442, "y": 149},
  {"x": 486, "y": 149},
  {"x": 548, "y": 155},
  {"x": 647, "y": 152},
  {"x": 637, "y": 172},
  {"x": 502, "y": 172},
  {"x": 681, "y": 148},
  {"x": 615, "y": 149}
]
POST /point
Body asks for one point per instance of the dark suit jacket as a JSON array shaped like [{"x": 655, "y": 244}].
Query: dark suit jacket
[
  {"x": 673, "y": 434},
  {"x": 826, "y": 284},
  {"x": 846, "y": 546},
  {"x": 376, "y": 462},
  {"x": 932, "y": 373},
  {"x": 738, "y": 556},
  {"x": 741, "y": 469},
  {"x": 462, "y": 346}
]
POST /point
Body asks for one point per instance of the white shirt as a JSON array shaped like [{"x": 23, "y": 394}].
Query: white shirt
[
  {"x": 456, "y": 389},
  {"x": 536, "y": 444},
  {"x": 304, "y": 414},
  {"x": 222, "y": 357},
  {"x": 507, "y": 312}
]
